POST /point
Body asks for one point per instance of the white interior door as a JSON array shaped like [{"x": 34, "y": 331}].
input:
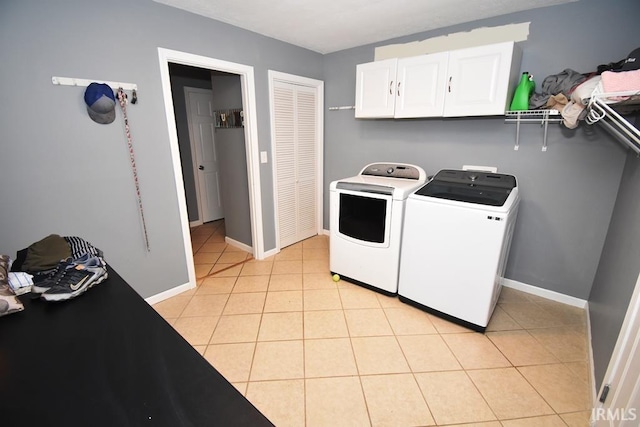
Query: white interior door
[
  {"x": 297, "y": 165},
  {"x": 621, "y": 406},
  {"x": 201, "y": 119}
]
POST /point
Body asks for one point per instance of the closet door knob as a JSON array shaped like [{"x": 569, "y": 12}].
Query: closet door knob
[{"x": 201, "y": 167}]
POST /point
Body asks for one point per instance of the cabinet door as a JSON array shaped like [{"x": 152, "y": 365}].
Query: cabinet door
[
  {"x": 479, "y": 80},
  {"x": 421, "y": 85},
  {"x": 375, "y": 88}
]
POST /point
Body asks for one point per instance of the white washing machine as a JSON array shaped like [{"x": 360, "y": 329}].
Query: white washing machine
[
  {"x": 457, "y": 234},
  {"x": 366, "y": 217}
]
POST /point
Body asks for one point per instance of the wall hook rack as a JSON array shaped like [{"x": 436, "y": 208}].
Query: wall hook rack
[{"x": 71, "y": 81}]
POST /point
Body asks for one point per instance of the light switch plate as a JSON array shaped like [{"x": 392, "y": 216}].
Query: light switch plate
[{"x": 263, "y": 157}]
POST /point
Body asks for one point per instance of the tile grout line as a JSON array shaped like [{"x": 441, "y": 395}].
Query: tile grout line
[
  {"x": 438, "y": 332},
  {"x": 304, "y": 358},
  {"x": 413, "y": 373},
  {"x": 255, "y": 347},
  {"x": 355, "y": 359},
  {"x": 558, "y": 360}
]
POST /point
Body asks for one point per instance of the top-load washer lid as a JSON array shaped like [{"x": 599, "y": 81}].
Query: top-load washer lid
[{"x": 482, "y": 188}]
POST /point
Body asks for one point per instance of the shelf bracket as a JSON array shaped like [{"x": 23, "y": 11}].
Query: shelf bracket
[
  {"x": 517, "y": 146},
  {"x": 545, "y": 124},
  {"x": 543, "y": 117},
  {"x": 602, "y": 112}
]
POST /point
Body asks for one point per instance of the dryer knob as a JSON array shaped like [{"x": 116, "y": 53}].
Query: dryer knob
[{"x": 390, "y": 171}]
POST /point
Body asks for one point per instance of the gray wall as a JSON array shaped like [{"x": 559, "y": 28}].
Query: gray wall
[
  {"x": 227, "y": 94},
  {"x": 182, "y": 77},
  {"x": 568, "y": 192},
  {"x": 65, "y": 174},
  {"x": 618, "y": 269}
]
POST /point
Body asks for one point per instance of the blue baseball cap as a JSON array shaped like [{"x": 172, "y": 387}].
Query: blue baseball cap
[{"x": 101, "y": 103}]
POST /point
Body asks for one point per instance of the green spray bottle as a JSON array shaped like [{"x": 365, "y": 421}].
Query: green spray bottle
[{"x": 523, "y": 93}]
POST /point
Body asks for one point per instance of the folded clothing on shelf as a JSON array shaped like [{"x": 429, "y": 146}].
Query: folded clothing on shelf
[
  {"x": 622, "y": 81},
  {"x": 8, "y": 301}
]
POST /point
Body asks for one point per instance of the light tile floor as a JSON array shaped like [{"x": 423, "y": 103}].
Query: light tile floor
[{"x": 307, "y": 351}]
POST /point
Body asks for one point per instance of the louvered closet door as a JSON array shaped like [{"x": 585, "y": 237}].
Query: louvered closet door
[{"x": 295, "y": 161}]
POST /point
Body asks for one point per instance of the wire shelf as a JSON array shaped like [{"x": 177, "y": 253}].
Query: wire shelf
[{"x": 542, "y": 117}]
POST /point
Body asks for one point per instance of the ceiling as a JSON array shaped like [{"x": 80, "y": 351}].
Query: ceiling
[{"x": 327, "y": 26}]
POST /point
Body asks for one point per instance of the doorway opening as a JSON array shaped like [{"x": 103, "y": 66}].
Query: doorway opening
[
  {"x": 194, "y": 107},
  {"x": 245, "y": 73}
]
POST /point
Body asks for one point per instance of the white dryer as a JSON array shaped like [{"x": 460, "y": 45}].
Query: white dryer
[
  {"x": 456, "y": 240},
  {"x": 366, "y": 217}
]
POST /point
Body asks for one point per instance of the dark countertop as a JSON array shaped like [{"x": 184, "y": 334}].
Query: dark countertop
[{"x": 106, "y": 358}]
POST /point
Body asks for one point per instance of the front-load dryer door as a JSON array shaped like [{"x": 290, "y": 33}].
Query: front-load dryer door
[{"x": 364, "y": 218}]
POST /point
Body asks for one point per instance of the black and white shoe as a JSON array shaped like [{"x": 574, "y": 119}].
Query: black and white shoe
[
  {"x": 42, "y": 283},
  {"x": 77, "y": 279}
]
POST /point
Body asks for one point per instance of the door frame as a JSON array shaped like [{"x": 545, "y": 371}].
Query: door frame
[
  {"x": 194, "y": 160},
  {"x": 617, "y": 376},
  {"x": 247, "y": 81},
  {"x": 319, "y": 86}
]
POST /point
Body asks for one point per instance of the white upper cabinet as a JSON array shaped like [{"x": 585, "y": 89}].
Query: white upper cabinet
[
  {"x": 376, "y": 88},
  {"x": 482, "y": 80},
  {"x": 405, "y": 87},
  {"x": 421, "y": 85},
  {"x": 476, "y": 81}
]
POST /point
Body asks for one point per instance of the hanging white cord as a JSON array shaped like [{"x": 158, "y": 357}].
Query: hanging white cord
[{"x": 122, "y": 97}]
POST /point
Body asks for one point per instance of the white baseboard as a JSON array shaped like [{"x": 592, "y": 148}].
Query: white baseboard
[
  {"x": 271, "y": 252},
  {"x": 545, "y": 293},
  {"x": 565, "y": 299},
  {"x": 238, "y": 245},
  {"x": 154, "y": 299},
  {"x": 195, "y": 223},
  {"x": 276, "y": 251},
  {"x": 592, "y": 369}
]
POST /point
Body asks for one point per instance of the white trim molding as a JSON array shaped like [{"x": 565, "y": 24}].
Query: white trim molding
[
  {"x": 591, "y": 367},
  {"x": 166, "y": 56},
  {"x": 237, "y": 244},
  {"x": 154, "y": 299},
  {"x": 545, "y": 293}
]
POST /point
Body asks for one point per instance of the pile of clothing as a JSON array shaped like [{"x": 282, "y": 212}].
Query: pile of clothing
[
  {"x": 567, "y": 90},
  {"x": 8, "y": 301},
  {"x": 55, "y": 268}
]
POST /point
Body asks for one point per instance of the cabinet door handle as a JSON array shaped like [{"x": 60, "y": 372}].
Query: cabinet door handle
[
  {"x": 449, "y": 88},
  {"x": 399, "y": 83},
  {"x": 390, "y": 88}
]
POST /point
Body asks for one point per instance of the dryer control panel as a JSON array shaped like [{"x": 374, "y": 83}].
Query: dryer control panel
[{"x": 393, "y": 170}]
